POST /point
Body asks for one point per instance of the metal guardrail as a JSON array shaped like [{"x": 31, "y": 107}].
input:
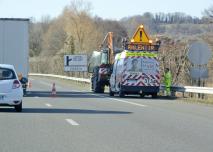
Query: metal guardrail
[
  {"x": 190, "y": 89},
  {"x": 62, "y": 77}
]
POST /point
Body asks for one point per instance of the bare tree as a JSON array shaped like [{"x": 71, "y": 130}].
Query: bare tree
[
  {"x": 35, "y": 41},
  {"x": 209, "y": 12},
  {"x": 79, "y": 23},
  {"x": 55, "y": 38},
  {"x": 173, "y": 55}
]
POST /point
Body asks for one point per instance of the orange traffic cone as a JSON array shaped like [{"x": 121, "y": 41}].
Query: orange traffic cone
[{"x": 53, "y": 90}]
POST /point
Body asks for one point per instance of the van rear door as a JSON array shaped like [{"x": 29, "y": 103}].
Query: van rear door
[
  {"x": 141, "y": 71},
  {"x": 151, "y": 72},
  {"x": 133, "y": 71}
]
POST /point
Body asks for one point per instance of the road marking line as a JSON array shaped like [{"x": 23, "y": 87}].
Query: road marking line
[
  {"x": 72, "y": 122},
  {"x": 124, "y": 101},
  {"x": 132, "y": 103},
  {"x": 31, "y": 79},
  {"x": 48, "y": 105}
]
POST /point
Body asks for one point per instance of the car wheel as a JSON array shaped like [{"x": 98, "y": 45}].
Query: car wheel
[{"x": 18, "y": 107}]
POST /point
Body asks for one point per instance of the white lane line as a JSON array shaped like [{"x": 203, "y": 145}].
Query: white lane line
[
  {"x": 72, "y": 122},
  {"x": 132, "y": 103},
  {"x": 48, "y": 105},
  {"x": 124, "y": 101},
  {"x": 31, "y": 79}
]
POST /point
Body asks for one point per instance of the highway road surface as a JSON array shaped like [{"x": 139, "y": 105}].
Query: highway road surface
[{"x": 77, "y": 120}]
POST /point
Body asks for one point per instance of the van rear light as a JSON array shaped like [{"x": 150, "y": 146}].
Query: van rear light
[{"x": 16, "y": 84}]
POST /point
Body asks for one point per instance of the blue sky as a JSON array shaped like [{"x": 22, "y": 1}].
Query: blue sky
[{"x": 111, "y": 9}]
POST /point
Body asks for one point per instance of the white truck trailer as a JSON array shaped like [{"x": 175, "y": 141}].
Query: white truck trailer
[{"x": 14, "y": 44}]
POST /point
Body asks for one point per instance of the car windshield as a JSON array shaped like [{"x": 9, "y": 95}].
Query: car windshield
[{"x": 7, "y": 74}]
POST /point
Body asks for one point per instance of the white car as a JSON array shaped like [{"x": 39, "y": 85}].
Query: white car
[{"x": 11, "y": 92}]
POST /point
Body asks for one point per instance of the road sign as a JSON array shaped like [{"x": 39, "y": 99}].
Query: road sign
[
  {"x": 199, "y": 72},
  {"x": 75, "y": 68},
  {"x": 199, "y": 53},
  {"x": 141, "y": 47},
  {"x": 140, "y": 36},
  {"x": 75, "y": 63}
]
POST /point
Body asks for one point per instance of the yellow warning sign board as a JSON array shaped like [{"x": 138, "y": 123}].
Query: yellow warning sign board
[{"x": 140, "y": 36}]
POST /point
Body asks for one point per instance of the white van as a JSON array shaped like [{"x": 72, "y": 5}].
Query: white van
[{"x": 135, "y": 72}]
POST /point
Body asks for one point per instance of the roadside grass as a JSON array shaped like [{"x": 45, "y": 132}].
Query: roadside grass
[{"x": 206, "y": 100}]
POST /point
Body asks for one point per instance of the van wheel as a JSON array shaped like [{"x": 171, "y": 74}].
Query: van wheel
[
  {"x": 142, "y": 95},
  {"x": 18, "y": 107},
  {"x": 121, "y": 94},
  {"x": 111, "y": 93},
  {"x": 154, "y": 95}
]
